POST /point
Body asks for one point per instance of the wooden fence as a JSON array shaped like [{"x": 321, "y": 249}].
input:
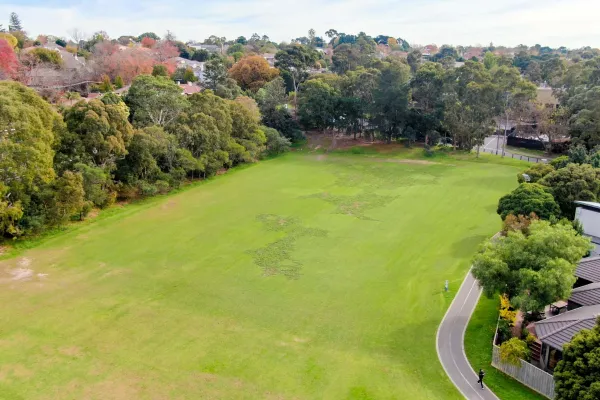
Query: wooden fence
[{"x": 528, "y": 374}]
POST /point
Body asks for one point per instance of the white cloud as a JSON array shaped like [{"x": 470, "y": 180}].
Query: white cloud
[{"x": 509, "y": 22}]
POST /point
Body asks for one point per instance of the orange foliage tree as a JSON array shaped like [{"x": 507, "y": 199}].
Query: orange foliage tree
[
  {"x": 126, "y": 63},
  {"x": 8, "y": 60},
  {"x": 252, "y": 72},
  {"x": 148, "y": 42},
  {"x": 164, "y": 51}
]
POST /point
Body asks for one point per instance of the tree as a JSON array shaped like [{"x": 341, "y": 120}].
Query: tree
[
  {"x": 148, "y": 42},
  {"x": 64, "y": 198},
  {"x": 276, "y": 143},
  {"x": 534, "y": 72},
  {"x": 119, "y": 82},
  {"x": 414, "y": 60},
  {"x": 160, "y": 70},
  {"x": 534, "y": 270},
  {"x": 200, "y": 55},
  {"x": 14, "y": 24},
  {"x": 513, "y": 351},
  {"x": 253, "y": 72},
  {"x": 164, "y": 50},
  {"x": 529, "y": 198},
  {"x": 184, "y": 75},
  {"x": 574, "y": 182},
  {"x": 10, "y": 214},
  {"x": 150, "y": 35},
  {"x": 272, "y": 94},
  {"x": 215, "y": 73},
  {"x": 427, "y": 89},
  {"x": 170, "y": 36},
  {"x": 154, "y": 100},
  {"x": 584, "y": 122},
  {"x": 296, "y": 61},
  {"x": 12, "y": 41},
  {"x": 241, "y": 40},
  {"x": 246, "y": 132},
  {"x": 317, "y": 105},
  {"x": 577, "y": 375},
  {"x": 535, "y": 173},
  {"x": 390, "y": 100},
  {"x": 27, "y": 132},
  {"x": 8, "y": 60},
  {"x": 101, "y": 130},
  {"x": 45, "y": 56}
]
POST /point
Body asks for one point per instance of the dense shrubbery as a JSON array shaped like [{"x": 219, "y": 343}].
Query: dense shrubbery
[{"x": 58, "y": 167}]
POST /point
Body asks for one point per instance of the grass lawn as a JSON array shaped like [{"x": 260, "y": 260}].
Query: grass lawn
[
  {"x": 528, "y": 152},
  {"x": 309, "y": 276},
  {"x": 478, "y": 346}
]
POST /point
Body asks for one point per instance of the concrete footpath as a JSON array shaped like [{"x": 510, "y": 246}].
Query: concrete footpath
[{"x": 450, "y": 342}]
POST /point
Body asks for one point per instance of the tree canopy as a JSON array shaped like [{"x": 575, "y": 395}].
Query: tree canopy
[{"x": 534, "y": 270}]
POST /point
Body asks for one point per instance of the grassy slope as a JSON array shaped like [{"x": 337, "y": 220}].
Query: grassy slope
[
  {"x": 166, "y": 300},
  {"x": 478, "y": 346}
]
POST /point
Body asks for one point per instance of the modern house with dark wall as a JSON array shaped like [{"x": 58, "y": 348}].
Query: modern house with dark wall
[{"x": 588, "y": 213}]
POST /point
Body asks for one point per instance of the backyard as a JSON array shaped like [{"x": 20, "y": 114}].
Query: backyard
[{"x": 307, "y": 276}]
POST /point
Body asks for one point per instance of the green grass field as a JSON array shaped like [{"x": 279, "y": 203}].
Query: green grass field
[{"x": 308, "y": 276}]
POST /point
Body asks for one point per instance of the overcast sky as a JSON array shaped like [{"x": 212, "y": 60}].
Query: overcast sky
[{"x": 571, "y": 23}]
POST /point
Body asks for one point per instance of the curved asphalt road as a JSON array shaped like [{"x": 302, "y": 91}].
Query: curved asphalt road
[{"x": 450, "y": 342}]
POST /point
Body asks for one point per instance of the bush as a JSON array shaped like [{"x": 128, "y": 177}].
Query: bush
[
  {"x": 560, "y": 162},
  {"x": 504, "y": 331},
  {"x": 162, "y": 186},
  {"x": 147, "y": 189},
  {"x": 536, "y": 172},
  {"x": 276, "y": 144},
  {"x": 506, "y": 312},
  {"x": 513, "y": 351},
  {"x": 127, "y": 192}
]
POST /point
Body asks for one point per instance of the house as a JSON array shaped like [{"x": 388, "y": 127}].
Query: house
[
  {"x": 211, "y": 48},
  {"x": 588, "y": 214},
  {"x": 189, "y": 88},
  {"x": 270, "y": 57},
  {"x": 473, "y": 52},
  {"x": 196, "y": 66},
  {"x": 586, "y": 295},
  {"x": 546, "y": 97},
  {"x": 588, "y": 271},
  {"x": 555, "y": 332},
  {"x": 73, "y": 69}
]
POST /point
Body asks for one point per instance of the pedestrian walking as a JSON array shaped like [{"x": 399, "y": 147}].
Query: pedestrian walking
[{"x": 481, "y": 375}]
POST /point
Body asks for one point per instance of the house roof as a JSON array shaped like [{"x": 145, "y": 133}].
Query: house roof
[
  {"x": 587, "y": 295},
  {"x": 190, "y": 88},
  {"x": 589, "y": 269},
  {"x": 589, "y": 204},
  {"x": 545, "y": 96},
  {"x": 559, "y": 330}
]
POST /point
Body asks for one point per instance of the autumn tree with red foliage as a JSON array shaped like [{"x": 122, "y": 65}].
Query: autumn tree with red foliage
[
  {"x": 164, "y": 51},
  {"x": 148, "y": 42},
  {"x": 8, "y": 60},
  {"x": 252, "y": 72},
  {"x": 126, "y": 63}
]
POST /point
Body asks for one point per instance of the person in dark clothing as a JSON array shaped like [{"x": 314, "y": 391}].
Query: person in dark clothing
[{"x": 481, "y": 375}]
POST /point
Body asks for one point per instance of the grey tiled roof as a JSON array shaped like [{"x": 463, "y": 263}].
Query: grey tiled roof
[
  {"x": 557, "y": 331},
  {"x": 589, "y": 269},
  {"x": 587, "y": 295}
]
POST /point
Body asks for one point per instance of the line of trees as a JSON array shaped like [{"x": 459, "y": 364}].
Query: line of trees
[{"x": 55, "y": 167}]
